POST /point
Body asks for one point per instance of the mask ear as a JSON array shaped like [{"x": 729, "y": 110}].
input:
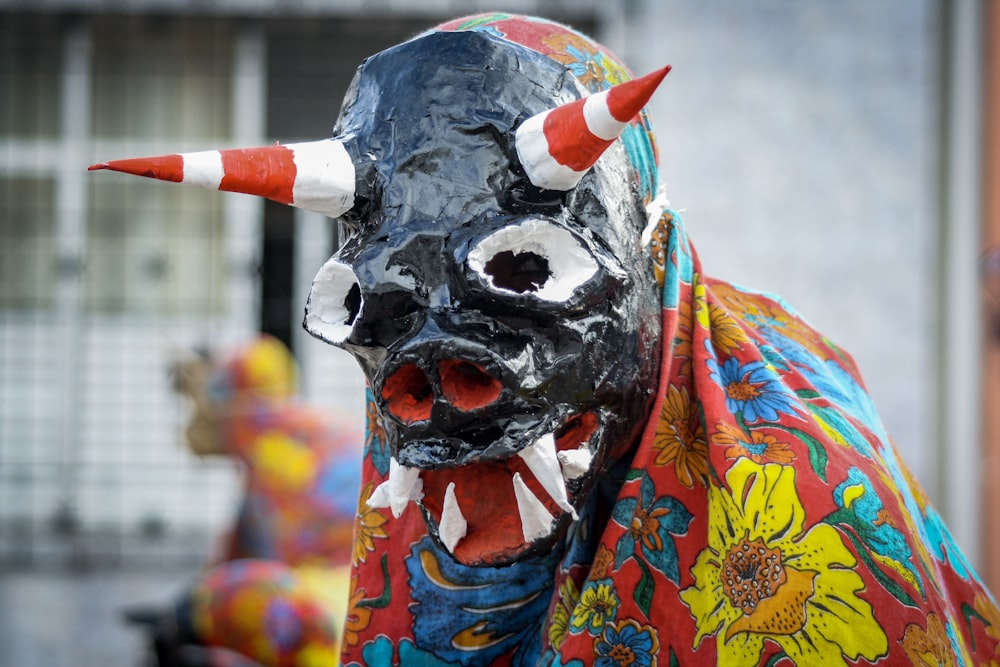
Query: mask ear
[
  {"x": 316, "y": 176},
  {"x": 558, "y": 146}
]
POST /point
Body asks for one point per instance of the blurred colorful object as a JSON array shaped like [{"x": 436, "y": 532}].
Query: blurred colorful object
[{"x": 276, "y": 593}]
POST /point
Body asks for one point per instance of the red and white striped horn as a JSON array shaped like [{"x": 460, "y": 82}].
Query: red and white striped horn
[
  {"x": 558, "y": 146},
  {"x": 316, "y": 176}
]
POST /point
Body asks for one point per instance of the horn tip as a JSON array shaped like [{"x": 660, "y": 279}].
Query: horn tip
[{"x": 98, "y": 166}]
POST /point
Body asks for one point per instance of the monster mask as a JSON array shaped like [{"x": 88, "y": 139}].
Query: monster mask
[{"x": 495, "y": 291}]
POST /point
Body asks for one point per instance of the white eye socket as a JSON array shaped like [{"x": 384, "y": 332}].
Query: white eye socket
[
  {"x": 334, "y": 302},
  {"x": 534, "y": 256}
]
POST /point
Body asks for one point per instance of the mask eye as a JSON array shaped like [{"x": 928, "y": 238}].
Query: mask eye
[
  {"x": 535, "y": 257},
  {"x": 334, "y": 303}
]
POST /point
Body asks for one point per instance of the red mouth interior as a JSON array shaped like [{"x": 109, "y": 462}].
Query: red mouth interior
[{"x": 485, "y": 495}]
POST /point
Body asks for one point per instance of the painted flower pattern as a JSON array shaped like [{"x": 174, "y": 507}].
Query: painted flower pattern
[
  {"x": 930, "y": 646},
  {"x": 765, "y": 576},
  {"x": 753, "y": 390},
  {"x": 569, "y": 595},
  {"x": 627, "y": 644},
  {"x": 358, "y": 616},
  {"x": 650, "y": 522},
  {"x": 727, "y": 335},
  {"x": 597, "y": 606},
  {"x": 754, "y": 445},
  {"x": 863, "y": 511},
  {"x": 680, "y": 438},
  {"x": 369, "y": 525}
]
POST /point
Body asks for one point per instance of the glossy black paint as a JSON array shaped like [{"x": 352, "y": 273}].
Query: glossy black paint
[{"x": 430, "y": 125}]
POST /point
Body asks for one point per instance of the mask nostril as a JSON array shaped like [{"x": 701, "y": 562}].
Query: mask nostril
[
  {"x": 466, "y": 386},
  {"x": 408, "y": 395}
]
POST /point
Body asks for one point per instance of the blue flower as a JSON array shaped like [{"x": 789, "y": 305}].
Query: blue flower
[
  {"x": 650, "y": 523},
  {"x": 752, "y": 389},
  {"x": 625, "y": 645}
]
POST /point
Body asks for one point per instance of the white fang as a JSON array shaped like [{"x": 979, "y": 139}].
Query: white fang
[
  {"x": 453, "y": 526},
  {"x": 542, "y": 461},
  {"x": 536, "y": 522},
  {"x": 404, "y": 484},
  {"x": 575, "y": 462}
]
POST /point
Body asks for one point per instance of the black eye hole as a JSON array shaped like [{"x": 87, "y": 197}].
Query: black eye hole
[{"x": 521, "y": 272}]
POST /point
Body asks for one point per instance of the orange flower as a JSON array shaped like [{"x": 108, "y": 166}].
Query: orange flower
[
  {"x": 727, "y": 335},
  {"x": 368, "y": 525},
  {"x": 929, "y": 647},
  {"x": 680, "y": 438},
  {"x": 358, "y": 617},
  {"x": 376, "y": 431},
  {"x": 761, "y": 448}
]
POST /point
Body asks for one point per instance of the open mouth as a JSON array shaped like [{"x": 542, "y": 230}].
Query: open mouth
[{"x": 495, "y": 511}]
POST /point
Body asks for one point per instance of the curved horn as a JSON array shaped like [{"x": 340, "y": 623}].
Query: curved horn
[
  {"x": 316, "y": 176},
  {"x": 558, "y": 146}
]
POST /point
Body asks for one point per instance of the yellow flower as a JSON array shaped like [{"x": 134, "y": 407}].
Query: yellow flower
[
  {"x": 680, "y": 438},
  {"x": 368, "y": 525},
  {"x": 597, "y": 606},
  {"x": 569, "y": 595},
  {"x": 284, "y": 462},
  {"x": 766, "y": 575}
]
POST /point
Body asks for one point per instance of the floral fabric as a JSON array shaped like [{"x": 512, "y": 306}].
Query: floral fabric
[{"x": 764, "y": 517}]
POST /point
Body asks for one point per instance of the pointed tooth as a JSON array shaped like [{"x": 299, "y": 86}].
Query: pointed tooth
[
  {"x": 404, "y": 484},
  {"x": 380, "y": 496},
  {"x": 542, "y": 461},
  {"x": 575, "y": 462},
  {"x": 536, "y": 522},
  {"x": 453, "y": 526}
]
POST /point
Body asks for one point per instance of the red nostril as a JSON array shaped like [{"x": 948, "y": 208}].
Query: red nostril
[
  {"x": 408, "y": 394},
  {"x": 467, "y": 386}
]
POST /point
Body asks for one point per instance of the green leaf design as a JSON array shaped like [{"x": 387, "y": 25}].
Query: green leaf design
[
  {"x": 968, "y": 613},
  {"x": 807, "y": 393},
  {"x": 817, "y": 453},
  {"x": 775, "y": 659},
  {"x": 382, "y": 600},
  {"x": 643, "y": 593},
  {"x": 889, "y": 584}
]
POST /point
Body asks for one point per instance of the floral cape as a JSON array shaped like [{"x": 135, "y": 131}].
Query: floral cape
[{"x": 764, "y": 518}]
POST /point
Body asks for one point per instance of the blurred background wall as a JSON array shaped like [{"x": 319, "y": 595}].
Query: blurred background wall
[{"x": 824, "y": 150}]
